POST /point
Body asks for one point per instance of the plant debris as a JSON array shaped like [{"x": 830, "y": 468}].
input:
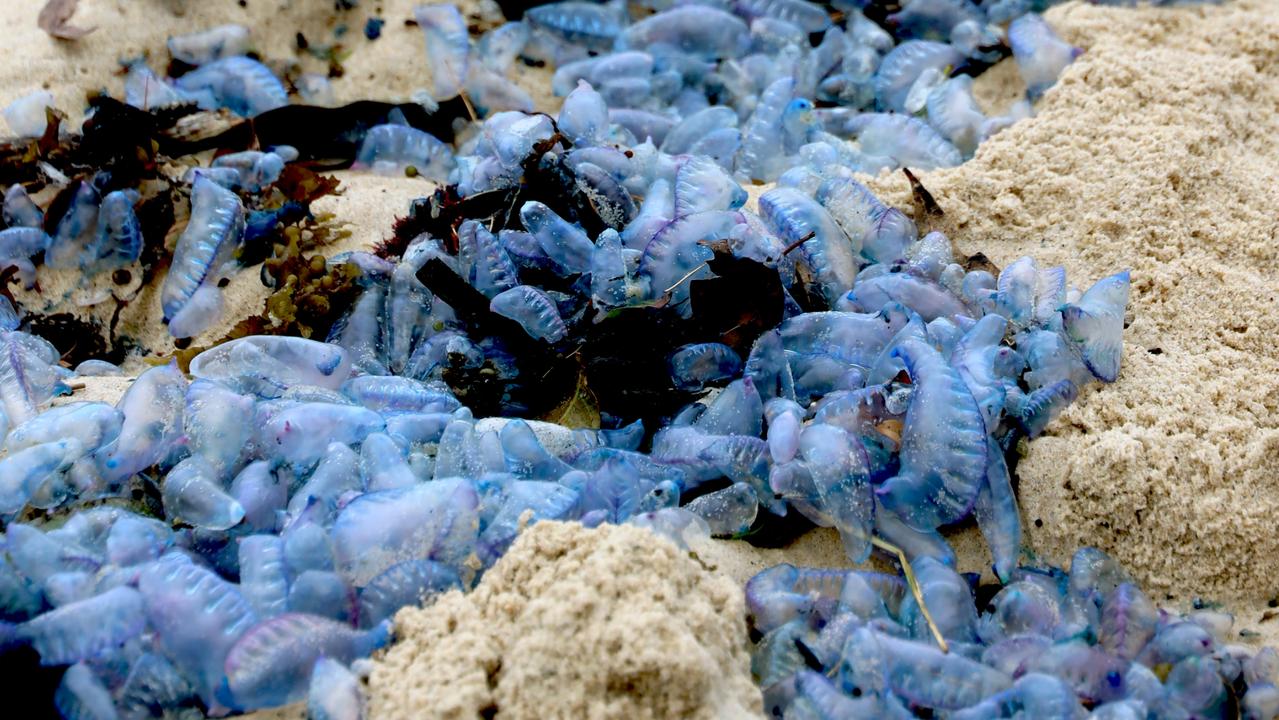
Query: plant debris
[
  {"x": 580, "y": 410},
  {"x": 76, "y": 339}
]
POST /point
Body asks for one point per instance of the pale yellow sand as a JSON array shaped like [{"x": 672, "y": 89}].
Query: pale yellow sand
[{"x": 1157, "y": 152}]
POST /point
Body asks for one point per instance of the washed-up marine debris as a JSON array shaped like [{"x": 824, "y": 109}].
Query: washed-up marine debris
[{"x": 813, "y": 358}]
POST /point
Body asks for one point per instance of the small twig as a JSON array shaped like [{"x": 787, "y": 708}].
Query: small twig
[
  {"x": 799, "y": 242},
  {"x": 566, "y": 357},
  {"x": 510, "y": 208},
  {"x": 913, "y": 584},
  {"x": 470, "y": 109},
  {"x": 687, "y": 275}
]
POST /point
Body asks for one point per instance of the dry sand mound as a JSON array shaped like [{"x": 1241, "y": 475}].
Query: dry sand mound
[{"x": 575, "y": 623}]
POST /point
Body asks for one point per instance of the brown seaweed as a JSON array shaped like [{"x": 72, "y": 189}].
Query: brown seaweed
[
  {"x": 300, "y": 184},
  {"x": 309, "y": 294}
]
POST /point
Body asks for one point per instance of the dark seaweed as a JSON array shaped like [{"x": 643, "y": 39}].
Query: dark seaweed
[
  {"x": 335, "y": 134},
  {"x": 156, "y": 217},
  {"x": 515, "y": 9},
  {"x": 621, "y": 359},
  {"x": 77, "y": 340},
  {"x": 21, "y": 668},
  {"x": 6, "y": 277},
  {"x": 977, "y": 66},
  {"x": 548, "y": 375},
  {"x": 741, "y": 303},
  {"x": 440, "y": 214},
  {"x": 59, "y": 204},
  {"x": 117, "y": 138},
  {"x": 118, "y": 135},
  {"x": 545, "y": 179}
]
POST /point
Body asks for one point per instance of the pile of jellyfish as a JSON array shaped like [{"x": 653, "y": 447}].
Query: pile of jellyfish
[
  {"x": 741, "y": 84},
  {"x": 264, "y": 518},
  {"x": 302, "y": 505},
  {"x": 1083, "y": 643},
  {"x": 761, "y": 86}
]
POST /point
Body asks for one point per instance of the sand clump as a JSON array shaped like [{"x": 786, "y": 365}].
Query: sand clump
[
  {"x": 1158, "y": 150},
  {"x": 610, "y": 622}
]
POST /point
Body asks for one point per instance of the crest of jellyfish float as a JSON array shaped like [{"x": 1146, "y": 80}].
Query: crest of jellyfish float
[{"x": 817, "y": 358}]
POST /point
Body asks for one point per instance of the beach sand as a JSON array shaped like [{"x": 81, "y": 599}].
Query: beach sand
[{"x": 1157, "y": 151}]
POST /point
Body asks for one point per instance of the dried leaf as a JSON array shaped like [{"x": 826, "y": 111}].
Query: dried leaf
[
  {"x": 53, "y": 123},
  {"x": 203, "y": 129},
  {"x": 742, "y": 301},
  {"x": 53, "y": 20},
  {"x": 579, "y": 410},
  {"x": 302, "y": 185},
  {"x": 926, "y": 208},
  {"x": 891, "y": 429},
  {"x": 977, "y": 261}
]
